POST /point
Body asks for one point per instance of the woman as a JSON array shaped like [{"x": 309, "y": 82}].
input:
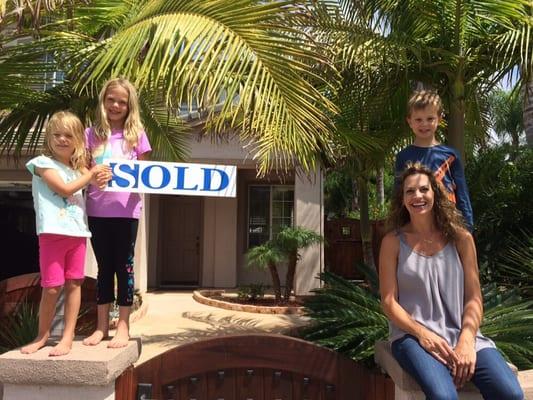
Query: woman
[{"x": 431, "y": 294}]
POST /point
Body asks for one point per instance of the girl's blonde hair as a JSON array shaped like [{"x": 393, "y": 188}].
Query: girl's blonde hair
[
  {"x": 132, "y": 125},
  {"x": 67, "y": 121},
  {"x": 446, "y": 217}
]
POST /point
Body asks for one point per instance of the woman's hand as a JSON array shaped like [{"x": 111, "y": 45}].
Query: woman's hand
[
  {"x": 464, "y": 368},
  {"x": 437, "y": 347}
]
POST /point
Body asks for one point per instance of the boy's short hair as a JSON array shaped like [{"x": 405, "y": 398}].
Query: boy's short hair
[{"x": 421, "y": 99}]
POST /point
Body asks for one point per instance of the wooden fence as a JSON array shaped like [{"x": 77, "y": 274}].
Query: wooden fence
[
  {"x": 344, "y": 249},
  {"x": 26, "y": 288},
  {"x": 252, "y": 367}
]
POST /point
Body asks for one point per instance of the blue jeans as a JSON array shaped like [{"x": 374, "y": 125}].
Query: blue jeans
[{"x": 492, "y": 376}]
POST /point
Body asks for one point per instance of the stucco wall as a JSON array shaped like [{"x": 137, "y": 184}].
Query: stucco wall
[
  {"x": 309, "y": 212},
  {"x": 220, "y": 242}
]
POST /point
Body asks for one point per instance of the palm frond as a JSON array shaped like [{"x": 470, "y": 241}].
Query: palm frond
[
  {"x": 345, "y": 317},
  {"x": 168, "y": 133},
  {"x": 238, "y": 56}
]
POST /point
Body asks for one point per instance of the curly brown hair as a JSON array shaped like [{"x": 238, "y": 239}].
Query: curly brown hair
[{"x": 447, "y": 218}]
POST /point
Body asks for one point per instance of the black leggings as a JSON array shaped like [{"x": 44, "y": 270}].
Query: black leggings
[{"x": 113, "y": 241}]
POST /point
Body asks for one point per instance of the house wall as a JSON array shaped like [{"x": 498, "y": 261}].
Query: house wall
[
  {"x": 220, "y": 243},
  {"x": 309, "y": 211},
  {"x": 245, "y": 178},
  {"x": 224, "y": 222}
]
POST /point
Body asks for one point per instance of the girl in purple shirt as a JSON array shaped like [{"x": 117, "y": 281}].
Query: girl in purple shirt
[{"x": 113, "y": 217}]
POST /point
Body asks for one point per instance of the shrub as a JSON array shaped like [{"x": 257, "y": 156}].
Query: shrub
[{"x": 251, "y": 292}]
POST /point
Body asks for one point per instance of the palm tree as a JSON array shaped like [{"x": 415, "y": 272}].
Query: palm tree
[
  {"x": 528, "y": 112},
  {"x": 284, "y": 247},
  {"x": 290, "y": 241},
  {"x": 239, "y": 61},
  {"x": 507, "y": 117},
  {"x": 454, "y": 46},
  {"x": 516, "y": 44},
  {"x": 267, "y": 256}
]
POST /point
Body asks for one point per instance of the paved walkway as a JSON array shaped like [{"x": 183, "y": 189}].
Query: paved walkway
[{"x": 175, "y": 318}]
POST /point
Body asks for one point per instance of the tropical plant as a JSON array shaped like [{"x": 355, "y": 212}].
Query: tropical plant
[
  {"x": 239, "y": 61},
  {"x": 528, "y": 111},
  {"x": 462, "y": 48},
  {"x": 506, "y": 114},
  {"x": 284, "y": 247},
  {"x": 20, "y": 327},
  {"x": 501, "y": 199},
  {"x": 251, "y": 292},
  {"x": 517, "y": 263},
  {"x": 268, "y": 256},
  {"x": 290, "y": 241},
  {"x": 347, "y": 317},
  {"x": 508, "y": 321}
]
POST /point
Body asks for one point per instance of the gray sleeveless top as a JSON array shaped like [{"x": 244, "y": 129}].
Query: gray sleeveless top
[{"x": 431, "y": 290}]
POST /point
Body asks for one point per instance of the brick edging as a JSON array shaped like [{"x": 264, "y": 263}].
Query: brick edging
[{"x": 200, "y": 297}]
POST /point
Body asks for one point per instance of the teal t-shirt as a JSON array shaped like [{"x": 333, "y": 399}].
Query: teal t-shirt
[{"x": 54, "y": 213}]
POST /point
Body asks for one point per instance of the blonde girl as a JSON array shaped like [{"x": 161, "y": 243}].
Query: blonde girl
[
  {"x": 113, "y": 217},
  {"x": 58, "y": 178}
]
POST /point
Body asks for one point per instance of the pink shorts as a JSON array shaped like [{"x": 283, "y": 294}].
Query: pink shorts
[{"x": 61, "y": 257}]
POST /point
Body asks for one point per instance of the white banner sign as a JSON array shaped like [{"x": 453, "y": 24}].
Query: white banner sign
[{"x": 172, "y": 178}]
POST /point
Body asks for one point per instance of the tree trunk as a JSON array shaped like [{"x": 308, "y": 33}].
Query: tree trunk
[
  {"x": 276, "y": 285},
  {"x": 456, "y": 122},
  {"x": 528, "y": 111},
  {"x": 380, "y": 186},
  {"x": 366, "y": 228},
  {"x": 289, "y": 281},
  {"x": 355, "y": 196}
]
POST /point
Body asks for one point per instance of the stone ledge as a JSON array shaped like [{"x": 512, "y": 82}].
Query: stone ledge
[
  {"x": 384, "y": 358},
  {"x": 201, "y": 297},
  {"x": 84, "y": 365}
]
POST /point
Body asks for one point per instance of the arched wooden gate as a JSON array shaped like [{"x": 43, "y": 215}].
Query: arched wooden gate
[{"x": 247, "y": 367}]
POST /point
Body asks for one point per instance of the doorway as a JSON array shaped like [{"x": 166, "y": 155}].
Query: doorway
[{"x": 180, "y": 233}]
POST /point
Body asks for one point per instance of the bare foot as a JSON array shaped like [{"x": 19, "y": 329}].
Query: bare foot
[
  {"x": 35, "y": 345},
  {"x": 62, "y": 348},
  {"x": 97, "y": 336},
  {"x": 120, "y": 339}
]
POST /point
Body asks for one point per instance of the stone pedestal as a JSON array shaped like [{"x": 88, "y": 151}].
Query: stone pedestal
[
  {"x": 405, "y": 387},
  {"x": 87, "y": 372}
]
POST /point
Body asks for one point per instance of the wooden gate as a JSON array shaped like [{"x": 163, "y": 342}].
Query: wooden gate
[
  {"x": 344, "y": 246},
  {"x": 250, "y": 367}
]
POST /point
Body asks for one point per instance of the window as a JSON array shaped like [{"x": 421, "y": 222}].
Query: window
[{"x": 270, "y": 208}]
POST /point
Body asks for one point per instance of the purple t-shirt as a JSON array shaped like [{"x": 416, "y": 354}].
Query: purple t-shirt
[{"x": 114, "y": 204}]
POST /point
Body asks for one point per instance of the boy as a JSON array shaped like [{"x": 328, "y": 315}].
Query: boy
[{"x": 424, "y": 113}]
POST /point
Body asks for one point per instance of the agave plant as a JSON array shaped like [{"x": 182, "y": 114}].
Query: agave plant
[
  {"x": 508, "y": 321},
  {"x": 347, "y": 317},
  {"x": 19, "y": 328},
  {"x": 517, "y": 263}
]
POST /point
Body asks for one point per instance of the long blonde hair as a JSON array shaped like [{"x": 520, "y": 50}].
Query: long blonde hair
[
  {"x": 446, "y": 217},
  {"x": 132, "y": 126},
  {"x": 67, "y": 121}
]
